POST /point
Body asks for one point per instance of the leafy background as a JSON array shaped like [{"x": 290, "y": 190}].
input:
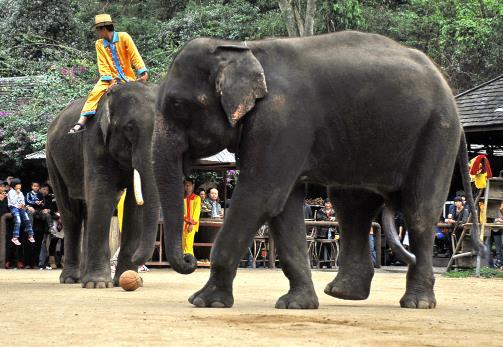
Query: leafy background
[{"x": 51, "y": 42}]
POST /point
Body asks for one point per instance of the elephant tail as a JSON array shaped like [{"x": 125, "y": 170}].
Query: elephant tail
[
  {"x": 477, "y": 245},
  {"x": 388, "y": 219}
]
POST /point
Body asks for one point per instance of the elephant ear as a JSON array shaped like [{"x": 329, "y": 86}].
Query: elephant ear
[
  {"x": 239, "y": 82},
  {"x": 105, "y": 120}
]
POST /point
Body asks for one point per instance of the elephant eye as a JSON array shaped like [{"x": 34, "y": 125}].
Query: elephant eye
[{"x": 129, "y": 127}]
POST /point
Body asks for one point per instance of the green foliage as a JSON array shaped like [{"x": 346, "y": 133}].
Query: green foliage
[
  {"x": 27, "y": 114},
  {"x": 234, "y": 21},
  {"x": 485, "y": 272},
  {"x": 464, "y": 37},
  {"x": 348, "y": 15}
]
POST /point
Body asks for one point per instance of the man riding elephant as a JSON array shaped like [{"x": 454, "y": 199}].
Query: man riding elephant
[{"x": 117, "y": 55}]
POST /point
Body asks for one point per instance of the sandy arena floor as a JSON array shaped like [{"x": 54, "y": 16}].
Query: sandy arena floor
[{"x": 36, "y": 310}]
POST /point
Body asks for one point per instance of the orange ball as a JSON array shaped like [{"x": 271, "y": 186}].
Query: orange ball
[{"x": 130, "y": 280}]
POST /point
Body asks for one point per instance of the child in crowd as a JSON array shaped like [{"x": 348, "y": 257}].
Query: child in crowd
[
  {"x": 34, "y": 199},
  {"x": 16, "y": 204}
]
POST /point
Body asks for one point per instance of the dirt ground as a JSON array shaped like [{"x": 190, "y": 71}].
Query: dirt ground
[{"x": 36, "y": 310}]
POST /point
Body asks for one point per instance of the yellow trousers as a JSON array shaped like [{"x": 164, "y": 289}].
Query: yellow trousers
[
  {"x": 188, "y": 242},
  {"x": 94, "y": 97}
]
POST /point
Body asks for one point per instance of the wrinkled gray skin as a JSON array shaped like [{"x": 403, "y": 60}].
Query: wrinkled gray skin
[
  {"x": 372, "y": 120},
  {"x": 90, "y": 170}
]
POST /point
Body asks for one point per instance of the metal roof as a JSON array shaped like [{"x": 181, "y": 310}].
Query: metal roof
[
  {"x": 224, "y": 158},
  {"x": 481, "y": 108}
]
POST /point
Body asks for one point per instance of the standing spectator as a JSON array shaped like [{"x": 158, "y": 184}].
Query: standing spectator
[
  {"x": 214, "y": 204},
  {"x": 191, "y": 213},
  {"x": 17, "y": 208},
  {"x": 496, "y": 237},
  {"x": 46, "y": 214},
  {"x": 373, "y": 253},
  {"x": 308, "y": 213},
  {"x": 326, "y": 214}
]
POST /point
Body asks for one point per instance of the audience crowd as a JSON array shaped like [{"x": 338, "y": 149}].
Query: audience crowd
[
  {"x": 32, "y": 225},
  {"x": 35, "y": 236}
]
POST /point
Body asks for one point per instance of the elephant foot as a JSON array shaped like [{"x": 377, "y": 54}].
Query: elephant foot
[
  {"x": 91, "y": 281},
  {"x": 298, "y": 299},
  {"x": 350, "y": 287},
  {"x": 419, "y": 292},
  {"x": 212, "y": 296},
  {"x": 69, "y": 276},
  {"x": 418, "y": 300}
]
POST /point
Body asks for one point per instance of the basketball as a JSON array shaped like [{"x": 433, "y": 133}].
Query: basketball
[{"x": 130, "y": 280}]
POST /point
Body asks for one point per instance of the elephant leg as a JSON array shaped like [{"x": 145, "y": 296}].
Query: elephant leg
[
  {"x": 130, "y": 236},
  {"x": 72, "y": 217},
  {"x": 289, "y": 232},
  {"x": 354, "y": 210},
  {"x": 420, "y": 279},
  {"x": 261, "y": 194},
  {"x": 231, "y": 242},
  {"x": 422, "y": 200},
  {"x": 96, "y": 254}
]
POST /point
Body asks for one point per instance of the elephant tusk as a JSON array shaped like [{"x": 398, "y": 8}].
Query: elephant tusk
[{"x": 137, "y": 188}]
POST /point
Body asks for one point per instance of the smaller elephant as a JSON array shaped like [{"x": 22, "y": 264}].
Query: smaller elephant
[{"x": 90, "y": 170}]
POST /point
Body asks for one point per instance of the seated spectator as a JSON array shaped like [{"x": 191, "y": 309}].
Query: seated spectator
[
  {"x": 213, "y": 204},
  {"x": 4, "y": 206},
  {"x": 205, "y": 207},
  {"x": 17, "y": 207},
  {"x": 458, "y": 213},
  {"x": 35, "y": 205}
]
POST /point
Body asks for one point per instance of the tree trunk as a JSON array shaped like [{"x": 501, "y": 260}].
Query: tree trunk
[
  {"x": 287, "y": 10},
  {"x": 295, "y": 24},
  {"x": 309, "y": 24},
  {"x": 298, "y": 17}
]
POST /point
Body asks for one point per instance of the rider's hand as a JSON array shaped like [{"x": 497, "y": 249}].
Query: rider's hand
[
  {"x": 143, "y": 77},
  {"x": 112, "y": 83}
]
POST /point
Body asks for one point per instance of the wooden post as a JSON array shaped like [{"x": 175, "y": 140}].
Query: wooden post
[
  {"x": 377, "y": 242},
  {"x": 3, "y": 237},
  {"x": 272, "y": 252}
]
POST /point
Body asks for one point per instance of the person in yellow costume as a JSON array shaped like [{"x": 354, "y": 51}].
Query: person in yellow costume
[
  {"x": 117, "y": 56},
  {"x": 191, "y": 213}
]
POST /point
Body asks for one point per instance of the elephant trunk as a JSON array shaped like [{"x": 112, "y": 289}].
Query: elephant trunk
[
  {"x": 147, "y": 199},
  {"x": 168, "y": 169}
]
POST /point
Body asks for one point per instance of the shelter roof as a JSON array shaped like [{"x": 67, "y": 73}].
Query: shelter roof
[
  {"x": 219, "y": 161},
  {"x": 481, "y": 108}
]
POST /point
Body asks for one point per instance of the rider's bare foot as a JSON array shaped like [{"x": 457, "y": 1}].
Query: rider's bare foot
[{"x": 77, "y": 128}]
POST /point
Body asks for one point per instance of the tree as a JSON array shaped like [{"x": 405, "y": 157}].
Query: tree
[{"x": 295, "y": 24}]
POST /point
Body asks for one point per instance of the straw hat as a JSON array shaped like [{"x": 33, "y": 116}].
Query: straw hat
[{"x": 101, "y": 20}]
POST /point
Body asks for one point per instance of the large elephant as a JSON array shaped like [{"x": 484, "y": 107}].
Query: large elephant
[
  {"x": 90, "y": 170},
  {"x": 359, "y": 113}
]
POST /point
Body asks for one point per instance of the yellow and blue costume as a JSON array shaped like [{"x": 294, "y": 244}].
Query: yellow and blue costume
[{"x": 116, "y": 60}]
